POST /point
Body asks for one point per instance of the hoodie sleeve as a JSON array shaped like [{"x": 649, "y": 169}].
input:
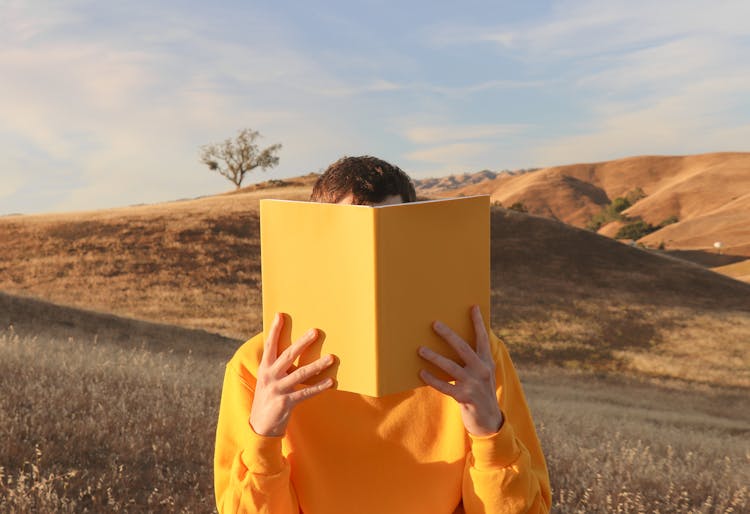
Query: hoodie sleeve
[
  {"x": 506, "y": 471},
  {"x": 250, "y": 471}
]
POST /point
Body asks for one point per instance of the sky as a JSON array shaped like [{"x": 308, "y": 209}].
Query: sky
[{"x": 106, "y": 104}]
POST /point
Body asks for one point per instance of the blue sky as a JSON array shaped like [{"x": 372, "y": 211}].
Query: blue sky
[{"x": 106, "y": 104}]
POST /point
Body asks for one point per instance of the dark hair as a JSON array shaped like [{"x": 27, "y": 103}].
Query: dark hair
[{"x": 369, "y": 180}]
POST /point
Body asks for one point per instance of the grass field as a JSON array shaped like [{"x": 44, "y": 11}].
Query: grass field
[{"x": 86, "y": 426}]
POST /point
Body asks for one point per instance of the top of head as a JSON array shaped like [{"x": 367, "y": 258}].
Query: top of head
[{"x": 363, "y": 180}]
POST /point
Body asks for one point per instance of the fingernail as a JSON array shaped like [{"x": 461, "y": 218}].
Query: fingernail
[
  {"x": 422, "y": 351},
  {"x": 439, "y": 325},
  {"x": 329, "y": 359},
  {"x": 310, "y": 332}
]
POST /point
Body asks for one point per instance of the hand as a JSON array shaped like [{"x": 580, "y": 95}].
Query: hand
[
  {"x": 275, "y": 391},
  {"x": 474, "y": 387}
]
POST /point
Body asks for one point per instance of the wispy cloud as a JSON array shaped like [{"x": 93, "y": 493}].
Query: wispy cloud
[
  {"x": 446, "y": 148},
  {"x": 433, "y": 134},
  {"x": 689, "y": 121},
  {"x": 23, "y": 21},
  {"x": 646, "y": 77},
  {"x": 667, "y": 67},
  {"x": 673, "y": 97},
  {"x": 11, "y": 184},
  {"x": 478, "y": 87},
  {"x": 451, "y": 153},
  {"x": 588, "y": 27}
]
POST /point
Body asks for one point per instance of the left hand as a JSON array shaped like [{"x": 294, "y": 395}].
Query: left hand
[{"x": 474, "y": 387}]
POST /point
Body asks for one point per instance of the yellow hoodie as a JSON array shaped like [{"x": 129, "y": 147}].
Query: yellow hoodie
[{"x": 402, "y": 453}]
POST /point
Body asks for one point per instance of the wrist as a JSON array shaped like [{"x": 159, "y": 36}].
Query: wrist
[
  {"x": 491, "y": 425},
  {"x": 265, "y": 430}
]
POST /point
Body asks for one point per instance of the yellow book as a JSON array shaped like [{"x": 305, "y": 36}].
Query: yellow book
[{"x": 372, "y": 280}]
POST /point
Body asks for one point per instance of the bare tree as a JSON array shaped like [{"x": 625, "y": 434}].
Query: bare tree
[{"x": 235, "y": 157}]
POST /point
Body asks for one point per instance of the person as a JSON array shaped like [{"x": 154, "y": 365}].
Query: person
[{"x": 468, "y": 445}]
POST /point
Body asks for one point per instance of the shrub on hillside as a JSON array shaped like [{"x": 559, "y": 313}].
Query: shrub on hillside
[
  {"x": 635, "y": 195},
  {"x": 618, "y": 205},
  {"x": 607, "y": 215},
  {"x": 613, "y": 210},
  {"x": 668, "y": 221},
  {"x": 635, "y": 230}
]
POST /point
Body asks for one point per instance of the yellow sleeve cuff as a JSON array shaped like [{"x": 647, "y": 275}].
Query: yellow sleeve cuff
[
  {"x": 262, "y": 454},
  {"x": 498, "y": 450}
]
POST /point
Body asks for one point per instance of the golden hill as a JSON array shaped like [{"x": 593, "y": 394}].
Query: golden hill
[
  {"x": 560, "y": 294},
  {"x": 52, "y": 322},
  {"x": 193, "y": 263},
  {"x": 739, "y": 270},
  {"x": 709, "y": 195}
]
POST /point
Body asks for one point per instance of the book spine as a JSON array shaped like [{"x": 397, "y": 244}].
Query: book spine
[
  {"x": 377, "y": 287},
  {"x": 264, "y": 206}
]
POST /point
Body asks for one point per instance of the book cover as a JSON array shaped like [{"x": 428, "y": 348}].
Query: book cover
[{"x": 372, "y": 280}]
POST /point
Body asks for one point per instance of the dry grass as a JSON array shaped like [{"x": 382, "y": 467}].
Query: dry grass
[
  {"x": 626, "y": 446},
  {"x": 89, "y": 427},
  {"x": 676, "y": 342}
]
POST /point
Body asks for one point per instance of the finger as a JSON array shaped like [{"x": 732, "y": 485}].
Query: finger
[
  {"x": 271, "y": 344},
  {"x": 309, "y": 392},
  {"x": 305, "y": 372},
  {"x": 289, "y": 355},
  {"x": 444, "y": 363},
  {"x": 480, "y": 334},
  {"x": 467, "y": 354},
  {"x": 434, "y": 382}
]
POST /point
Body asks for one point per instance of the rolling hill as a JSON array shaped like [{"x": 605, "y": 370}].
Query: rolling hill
[
  {"x": 708, "y": 194},
  {"x": 561, "y": 295},
  {"x": 738, "y": 270},
  {"x": 46, "y": 320}
]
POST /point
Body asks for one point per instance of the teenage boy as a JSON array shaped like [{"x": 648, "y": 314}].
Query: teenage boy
[{"x": 463, "y": 446}]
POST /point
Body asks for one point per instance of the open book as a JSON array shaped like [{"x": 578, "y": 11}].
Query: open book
[{"x": 372, "y": 280}]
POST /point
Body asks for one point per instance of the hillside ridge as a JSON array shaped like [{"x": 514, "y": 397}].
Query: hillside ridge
[
  {"x": 41, "y": 318},
  {"x": 702, "y": 196}
]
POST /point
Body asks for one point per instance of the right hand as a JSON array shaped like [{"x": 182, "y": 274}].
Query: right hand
[{"x": 275, "y": 391}]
